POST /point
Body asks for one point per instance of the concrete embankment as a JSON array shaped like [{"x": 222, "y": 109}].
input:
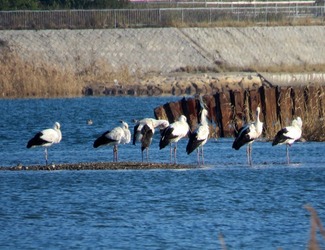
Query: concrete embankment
[
  {"x": 164, "y": 50},
  {"x": 153, "y": 55}
]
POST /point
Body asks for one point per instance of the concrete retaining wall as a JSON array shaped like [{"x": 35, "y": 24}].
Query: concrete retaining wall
[{"x": 168, "y": 49}]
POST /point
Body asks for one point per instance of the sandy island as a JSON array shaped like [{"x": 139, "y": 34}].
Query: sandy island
[{"x": 100, "y": 166}]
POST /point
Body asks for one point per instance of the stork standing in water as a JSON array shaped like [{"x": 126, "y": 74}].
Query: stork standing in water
[
  {"x": 248, "y": 134},
  {"x": 199, "y": 137},
  {"x": 288, "y": 135},
  {"x": 173, "y": 133},
  {"x": 118, "y": 135},
  {"x": 46, "y": 138},
  {"x": 144, "y": 131}
]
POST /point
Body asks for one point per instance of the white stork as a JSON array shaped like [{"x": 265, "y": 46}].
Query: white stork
[
  {"x": 199, "y": 137},
  {"x": 288, "y": 135},
  {"x": 46, "y": 138},
  {"x": 144, "y": 131},
  {"x": 248, "y": 134},
  {"x": 118, "y": 135},
  {"x": 173, "y": 133}
]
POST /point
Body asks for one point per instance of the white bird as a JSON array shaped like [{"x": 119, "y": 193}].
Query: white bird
[
  {"x": 288, "y": 135},
  {"x": 144, "y": 131},
  {"x": 173, "y": 133},
  {"x": 118, "y": 135},
  {"x": 199, "y": 137},
  {"x": 46, "y": 138},
  {"x": 247, "y": 135}
]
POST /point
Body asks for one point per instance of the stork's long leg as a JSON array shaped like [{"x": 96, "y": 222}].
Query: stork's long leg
[
  {"x": 198, "y": 156},
  {"x": 249, "y": 154},
  {"x": 142, "y": 155},
  {"x": 175, "y": 151},
  {"x": 288, "y": 156},
  {"x": 202, "y": 155},
  {"x": 115, "y": 153},
  {"x": 147, "y": 155},
  {"x": 46, "y": 154}
]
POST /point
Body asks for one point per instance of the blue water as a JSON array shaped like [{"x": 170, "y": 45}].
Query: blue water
[{"x": 258, "y": 207}]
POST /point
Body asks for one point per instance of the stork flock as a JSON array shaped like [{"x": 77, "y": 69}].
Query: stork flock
[{"x": 171, "y": 133}]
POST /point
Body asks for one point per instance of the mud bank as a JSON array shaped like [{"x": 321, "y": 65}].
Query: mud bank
[{"x": 99, "y": 166}]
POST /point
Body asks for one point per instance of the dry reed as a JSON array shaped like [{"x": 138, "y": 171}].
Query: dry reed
[
  {"x": 315, "y": 223},
  {"x": 229, "y": 21},
  {"x": 22, "y": 78},
  {"x": 310, "y": 107}
]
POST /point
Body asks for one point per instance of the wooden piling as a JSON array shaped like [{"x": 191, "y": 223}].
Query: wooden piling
[
  {"x": 269, "y": 109},
  {"x": 285, "y": 106},
  {"x": 298, "y": 102},
  {"x": 193, "y": 109},
  {"x": 210, "y": 103},
  {"x": 160, "y": 113},
  {"x": 239, "y": 109},
  {"x": 229, "y": 109},
  {"x": 218, "y": 120},
  {"x": 312, "y": 102},
  {"x": 322, "y": 101},
  {"x": 254, "y": 102}
]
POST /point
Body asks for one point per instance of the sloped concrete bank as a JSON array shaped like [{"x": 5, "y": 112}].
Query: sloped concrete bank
[
  {"x": 164, "y": 50},
  {"x": 160, "y": 54}
]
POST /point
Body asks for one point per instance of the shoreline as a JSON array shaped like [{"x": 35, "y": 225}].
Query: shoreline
[{"x": 190, "y": 84}]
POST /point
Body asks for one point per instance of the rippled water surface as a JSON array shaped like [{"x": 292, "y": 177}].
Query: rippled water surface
[{"x": 258, "y": 207}]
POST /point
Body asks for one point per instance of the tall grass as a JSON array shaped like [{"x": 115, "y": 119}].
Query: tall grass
[
  {"x": 315, "y": 225},
  {"x": 313, "y": 117},
  {"x": 227, "y": 21},
  {"x": 21, "y": 78},
  {"x": 24, "y": 79},
  {"x": 316, "y": 229}
]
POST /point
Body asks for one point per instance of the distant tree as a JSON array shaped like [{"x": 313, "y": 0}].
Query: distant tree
[
  {"x": 107, "y": 4},
  {"x": 62, "y": 4},
  {"x": 4, "y": 4},
  {"x": 18, "y": 4},
  {"x": 83, "y": 4}
]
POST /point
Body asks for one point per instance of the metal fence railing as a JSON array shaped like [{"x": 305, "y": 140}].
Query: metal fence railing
[
  {"x": 159, "y": 17},
  {"x": 216, "y": 3}
]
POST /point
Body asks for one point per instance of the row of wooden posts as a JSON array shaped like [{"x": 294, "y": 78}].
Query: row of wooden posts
[{"x": 229, "y": 109}]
